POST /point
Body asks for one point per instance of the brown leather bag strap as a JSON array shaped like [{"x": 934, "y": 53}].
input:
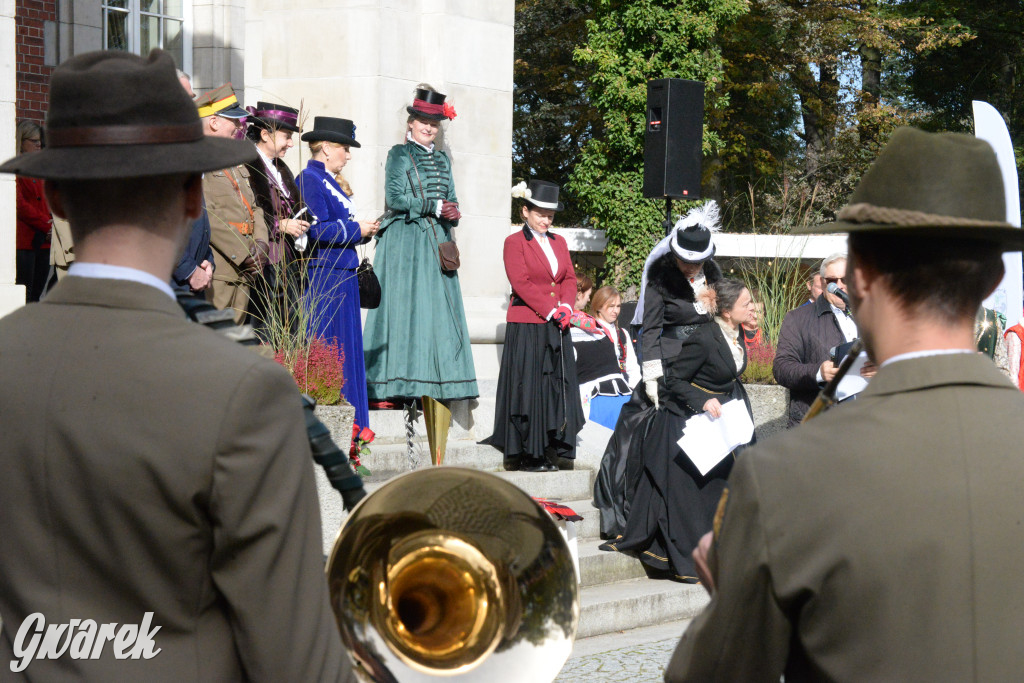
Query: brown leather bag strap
[{"x": 241, "y": 195}]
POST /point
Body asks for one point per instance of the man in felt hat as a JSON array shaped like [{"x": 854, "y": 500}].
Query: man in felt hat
[
  {"x": 163, "y": 538},
  {"x": 238, "y": 227},
  {"x": 884, "y": 541}
]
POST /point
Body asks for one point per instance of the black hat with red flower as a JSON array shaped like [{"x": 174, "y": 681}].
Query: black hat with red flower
[{"x": 430, "y": 105}]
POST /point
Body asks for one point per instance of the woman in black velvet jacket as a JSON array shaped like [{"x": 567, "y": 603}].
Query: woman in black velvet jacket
[{"x": 674, "y": 504}]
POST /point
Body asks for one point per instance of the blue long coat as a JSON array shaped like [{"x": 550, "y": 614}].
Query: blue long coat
[{"x": 332, "y": 293}]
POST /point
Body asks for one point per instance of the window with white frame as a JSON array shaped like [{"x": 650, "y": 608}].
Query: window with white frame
[{"x": 140, "y": 25}]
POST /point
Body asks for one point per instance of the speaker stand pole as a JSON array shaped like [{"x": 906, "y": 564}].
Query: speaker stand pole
[{"x": 667, "y": 224}]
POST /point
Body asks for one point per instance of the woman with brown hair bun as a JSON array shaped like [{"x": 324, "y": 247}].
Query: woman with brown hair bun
[
  {"x": 274, "y": 297},
  {"x": 674, "y": 503}
]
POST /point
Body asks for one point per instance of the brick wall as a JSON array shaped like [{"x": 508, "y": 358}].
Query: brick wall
[{"x": 32, "y": 76}]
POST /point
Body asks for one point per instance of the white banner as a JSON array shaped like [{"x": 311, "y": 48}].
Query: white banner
[{"x": 1008, "y": 298}]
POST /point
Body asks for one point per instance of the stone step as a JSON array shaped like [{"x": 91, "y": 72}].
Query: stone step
[
  {"x": 471, "y": 420},
  {"x": 603, "y": 566},
  {"x": 394, "y": 457},
  {"x": 623, "y": 605},
  {"x": 590, "y": 526}
]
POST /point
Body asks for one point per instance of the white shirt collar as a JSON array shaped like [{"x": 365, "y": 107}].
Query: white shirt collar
[
  {"x": 276, "y": 174},
  {"x": 408, "y": 136},
  {"x": 732, "y": 337},
  {"x": 925, "y": 354},
  {"x": 847, "y": 324},
  {"x": 106, "y": 271}
]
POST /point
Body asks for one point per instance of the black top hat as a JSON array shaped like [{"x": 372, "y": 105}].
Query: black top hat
[
  {"x": 933, "y": 185},
  {"x": 113, "y": 114},
  {"x": 543, "y": 195},
  {"x": 331, "y": 129},
  {"x": 270, "y": 116},
  {"x": 692, "y": 244},
  {"x": 430, "y": 105}
]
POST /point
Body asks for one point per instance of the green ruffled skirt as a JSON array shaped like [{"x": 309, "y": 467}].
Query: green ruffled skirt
[{"x": 417, "y": 342}]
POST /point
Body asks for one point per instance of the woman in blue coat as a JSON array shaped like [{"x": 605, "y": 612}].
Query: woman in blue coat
[{"x": 332, "y": 292}]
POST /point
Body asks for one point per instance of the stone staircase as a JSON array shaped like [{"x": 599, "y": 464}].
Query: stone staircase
[{"x": 616, "y": 595}]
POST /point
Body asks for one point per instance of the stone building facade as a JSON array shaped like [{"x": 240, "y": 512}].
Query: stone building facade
[{"x": 357, "y": 59}]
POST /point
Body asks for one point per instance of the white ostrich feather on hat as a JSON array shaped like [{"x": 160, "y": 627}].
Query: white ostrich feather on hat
[{"x": 707, "y": 215}]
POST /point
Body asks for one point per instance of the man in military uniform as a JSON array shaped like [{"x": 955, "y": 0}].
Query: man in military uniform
[
  {"x": 884, "y": 541},
  {"x": 238, "y": 228},
  {"x": 191, "y": 528}
]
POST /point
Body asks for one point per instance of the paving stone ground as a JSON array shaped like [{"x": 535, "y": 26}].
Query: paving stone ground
[{"x": 633, "y": 663}]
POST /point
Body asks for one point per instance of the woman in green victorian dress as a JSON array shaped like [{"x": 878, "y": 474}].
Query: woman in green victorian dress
[{"x": 417, "y": 341}]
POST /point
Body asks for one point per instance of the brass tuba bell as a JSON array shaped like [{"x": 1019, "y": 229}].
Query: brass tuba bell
[{"x": 455, "y": 573}]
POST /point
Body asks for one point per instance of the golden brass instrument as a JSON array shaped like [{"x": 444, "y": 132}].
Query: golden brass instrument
[{"x": 457, "y": 573}]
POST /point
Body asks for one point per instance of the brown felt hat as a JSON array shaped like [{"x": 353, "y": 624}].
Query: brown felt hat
[
  {"x": 117, "y": 115},
  {"x": 935, "y": 184}
]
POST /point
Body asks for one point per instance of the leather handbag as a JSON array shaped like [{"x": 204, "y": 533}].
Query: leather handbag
[
  {"x": 447, "y": 252},
  {"x": 369, "y": 285}
]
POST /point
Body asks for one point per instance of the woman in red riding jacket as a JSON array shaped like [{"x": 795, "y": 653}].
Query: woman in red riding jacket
[{"x": 537, "y": 412}]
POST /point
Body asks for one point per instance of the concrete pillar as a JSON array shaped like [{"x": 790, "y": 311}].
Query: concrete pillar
[
  {"x": 11, "y": 295},
  {"x": 79, "y": 28},
  {"x": 218, "y": 44},
  {"x": 361, "y": 60}
]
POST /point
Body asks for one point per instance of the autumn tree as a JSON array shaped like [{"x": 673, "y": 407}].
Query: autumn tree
[{"x": 552, "y": 118}]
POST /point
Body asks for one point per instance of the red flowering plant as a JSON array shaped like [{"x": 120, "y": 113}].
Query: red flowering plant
[
  {"x": 317, "y": 369},
  {"x": 759, "y": 364},
  {"x": 361, "y": 439}
]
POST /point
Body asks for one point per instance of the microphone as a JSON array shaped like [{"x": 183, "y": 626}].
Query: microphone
[{"x": 833, "y": 288}]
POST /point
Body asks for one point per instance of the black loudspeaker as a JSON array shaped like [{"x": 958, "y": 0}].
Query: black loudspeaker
[{"x": 672, "y": 141}]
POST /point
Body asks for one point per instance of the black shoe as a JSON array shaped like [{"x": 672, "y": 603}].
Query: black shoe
[
  {"x": 537, "y": 465},
  {"x": 566, "y": 463},
  {"x": 512, "y": 464}
]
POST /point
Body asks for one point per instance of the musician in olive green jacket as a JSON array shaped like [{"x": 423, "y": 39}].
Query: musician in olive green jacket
[{"x": 885, "y": 541}]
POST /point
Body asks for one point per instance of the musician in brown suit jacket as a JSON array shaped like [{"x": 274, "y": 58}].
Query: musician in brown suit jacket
[
  {"x": 884, "y": 541},
  {"x": 159, "y": 475}
]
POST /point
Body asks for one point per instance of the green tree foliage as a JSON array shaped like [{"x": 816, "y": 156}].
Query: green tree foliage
[
  {"x": 551, "y": 116},
  {"x": 982, "y": 64},
  {"x": 811, "y": 103},
  {"x": 630, "y": 42}
]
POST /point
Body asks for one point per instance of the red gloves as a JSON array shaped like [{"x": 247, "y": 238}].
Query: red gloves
[
  {"x": 562, "y": 315},
  {"x": 450, "y": 211}
]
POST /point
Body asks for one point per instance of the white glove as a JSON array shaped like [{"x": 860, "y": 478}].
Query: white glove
[
  {"x": 651, "y": 372},
  {"x": 651, "y": 387}
]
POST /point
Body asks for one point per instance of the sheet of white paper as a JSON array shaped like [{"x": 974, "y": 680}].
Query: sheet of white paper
[
  {"x": 852, "y": 383},
  {"x": 706, "y": 441}
]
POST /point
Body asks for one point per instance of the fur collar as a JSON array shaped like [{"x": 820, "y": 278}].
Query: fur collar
[
  {"x": 260, "y": 184},
  {"x": 666, "y": 278}
]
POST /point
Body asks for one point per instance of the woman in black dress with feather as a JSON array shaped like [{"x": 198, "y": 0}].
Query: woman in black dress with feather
[
  {"x": 676, "y": 272},
  {"x": 674, "y": 504}
]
